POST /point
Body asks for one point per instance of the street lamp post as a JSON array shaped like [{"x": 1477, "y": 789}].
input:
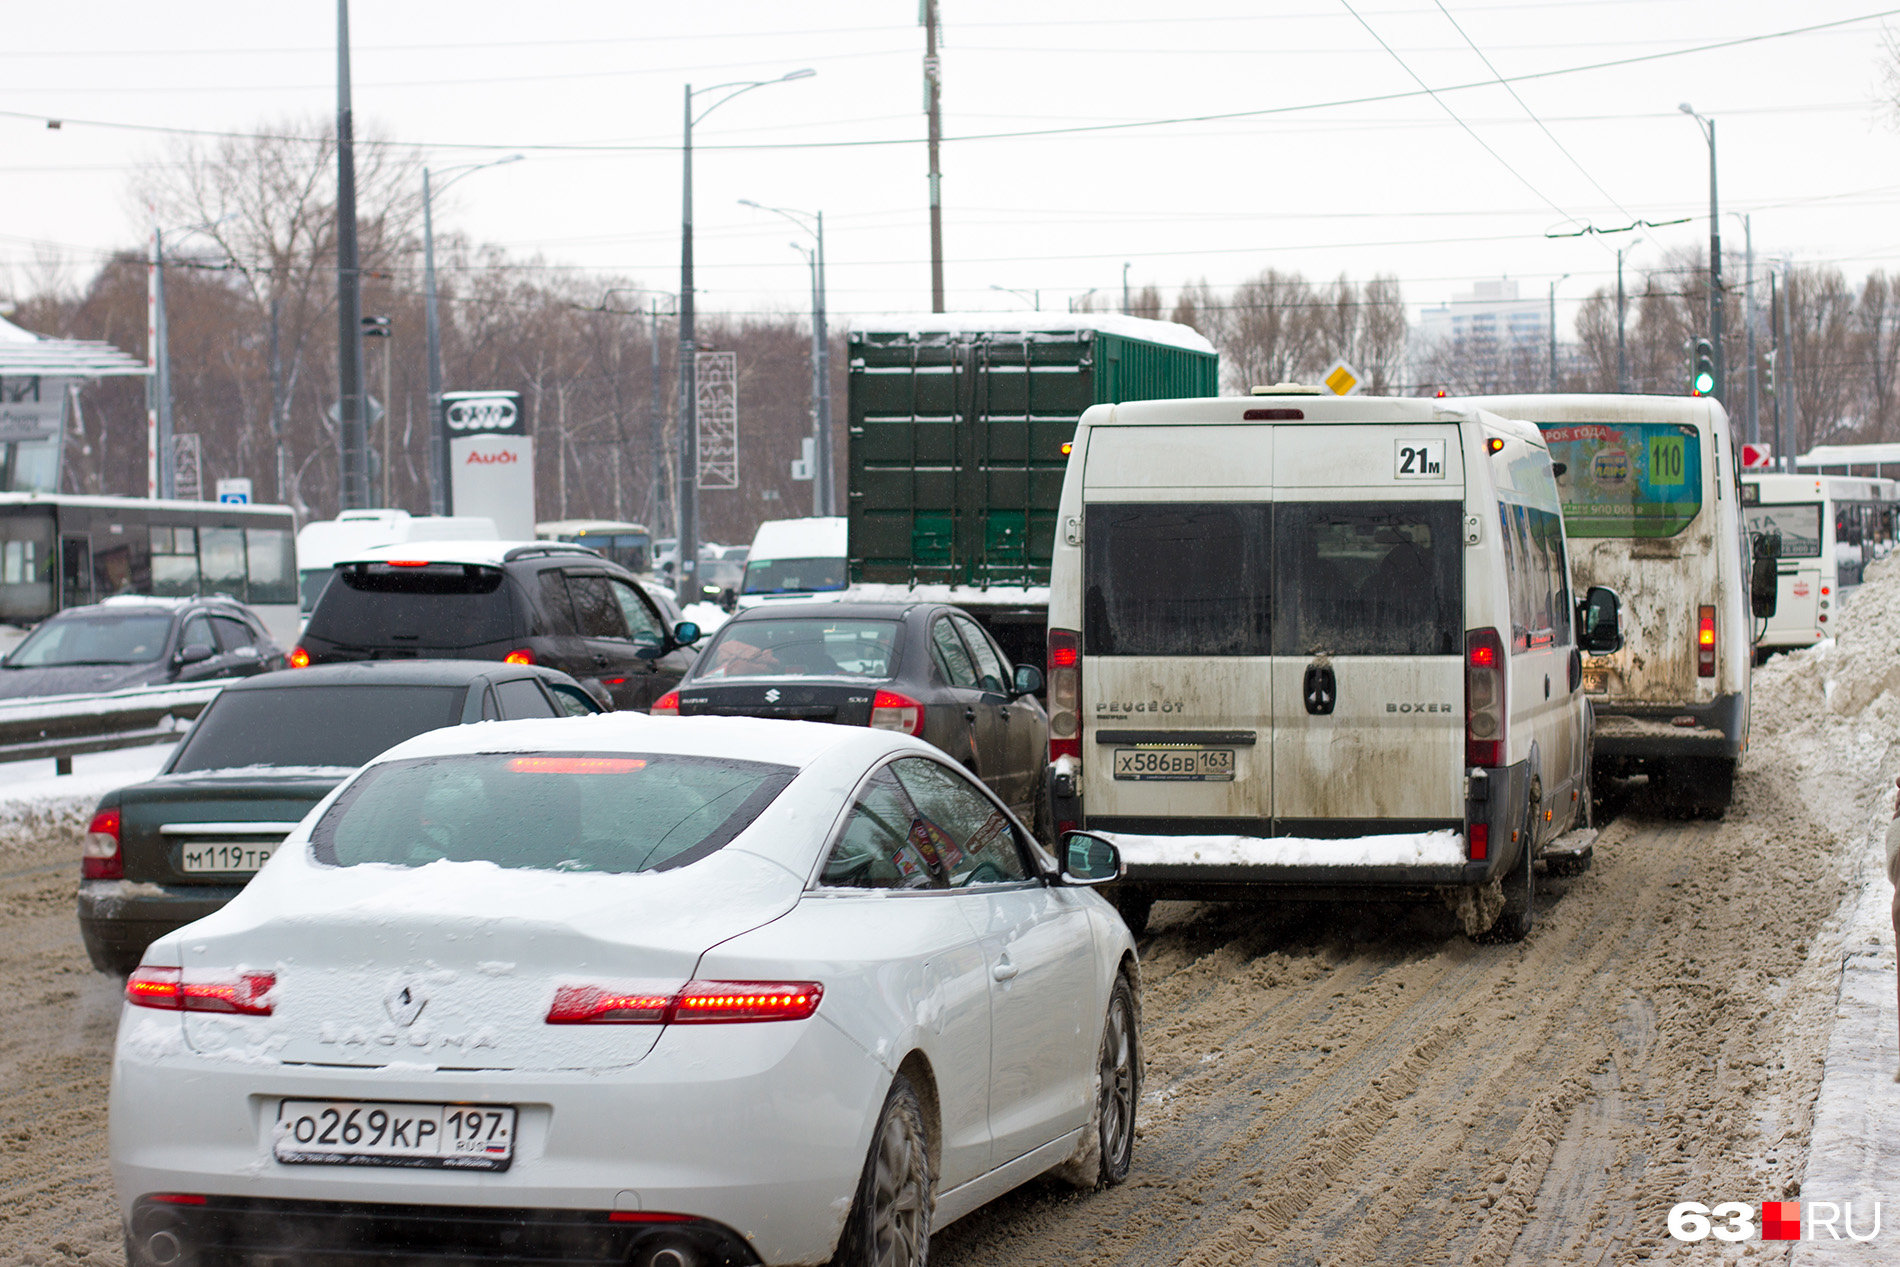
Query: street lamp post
[
  {"x": 159, "y": 479},
  {"x": 688, "y": 507},
  {"x": 1032, "y": 297},
  {"x": 1622, "y": 361},
  {"x": 1715, "y": 255},
  {"x": 440, "y": 498},
  {"x": 1553, "y": 330},
  {"x": 823, "y": 499},
  {"x": 656, "y": 406}
]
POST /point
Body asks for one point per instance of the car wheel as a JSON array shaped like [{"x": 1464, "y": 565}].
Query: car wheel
[
  {"x": 889, "y": 1224},
  {"x": 1119, "y": 1093}
]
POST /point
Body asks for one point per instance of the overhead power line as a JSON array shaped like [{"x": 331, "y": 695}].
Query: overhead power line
[{"x": 41, "y": 116}]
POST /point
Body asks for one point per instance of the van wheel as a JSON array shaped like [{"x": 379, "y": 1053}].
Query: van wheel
[
  {"x": 1134, "y": 908},
  {"x": 1520, "y": 892}
]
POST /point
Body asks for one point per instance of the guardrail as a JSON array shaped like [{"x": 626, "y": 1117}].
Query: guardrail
[{"x": 63, "y": 726}]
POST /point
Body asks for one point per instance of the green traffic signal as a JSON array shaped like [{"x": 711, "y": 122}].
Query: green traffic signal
[{"x": 1702, "y": 382}]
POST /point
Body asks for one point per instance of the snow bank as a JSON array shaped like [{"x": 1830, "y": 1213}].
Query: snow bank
[
  {"x": 1411, "y": 849},
  {"x": 40, "y": 810}
]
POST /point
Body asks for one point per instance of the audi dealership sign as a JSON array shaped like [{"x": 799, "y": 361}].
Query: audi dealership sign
[{"x": 491, "y": 460}]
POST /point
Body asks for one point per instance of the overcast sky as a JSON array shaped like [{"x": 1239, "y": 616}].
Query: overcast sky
[{"x": 1314, "y": 177}]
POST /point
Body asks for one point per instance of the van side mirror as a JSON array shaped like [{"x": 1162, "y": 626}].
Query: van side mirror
[
  {"x": 1600, "y": 621},
  {"x": 1764, "y": 581},
  {"x": 1088, "y": 859},
  {"x": 1028, "y": 680}
]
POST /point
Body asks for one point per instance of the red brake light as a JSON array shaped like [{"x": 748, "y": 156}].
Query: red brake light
[
  {"x": 520, "y": 655},
  {"x": 100, "y": 858},
  {"x": 177, "y": 1198},
  {"x": 408, "y": 563},
  {"x": 1705, "y": 642},
  {"x": 891, "y": 711},
  {"x": 245, "y": 994},
  {"x": 1485, "y": 682},
  {"x": 576, "y": 765},
  {"x": 696, "y": 1003},
  {"x": 1065, "y": 694},
  {"x": 668, "y": 705},
  {"x": 1478, "y": 842},
  {"x": 298, "y": 658},
  {"x": 1825, "y": 590}
]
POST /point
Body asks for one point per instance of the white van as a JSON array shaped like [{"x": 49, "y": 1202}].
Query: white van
[
  {"x": 795, "y": 560},
  {"x": 1305, "y": 646},
  {"x": 323, "y": 544},
  {"x": 1653, "y": 509}
]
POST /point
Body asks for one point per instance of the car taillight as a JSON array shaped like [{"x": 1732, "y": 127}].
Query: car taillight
[
  {"x": 695, "y": 1003},
  {"x": 891, "y": 711},
  {"x": 298, "y": 658},
  {"x": 202, "y": 990},
  {"x": 520, "y": 655},
  {"x": 1705, "y": 642},
  {"x": 1484, "y": 698},
  {"x": 99, "y": 857},
  {"x": 1065, "y": 694},
  {"x": 668, "y": 705},
  {"x": 1478, "y": 843}
]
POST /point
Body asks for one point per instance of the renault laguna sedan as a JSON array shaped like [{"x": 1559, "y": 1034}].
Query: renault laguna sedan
[{"x": 628, "y": 990}]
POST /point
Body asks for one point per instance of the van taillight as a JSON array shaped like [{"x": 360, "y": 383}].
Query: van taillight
[
  {"x": 1484, "y": 698},
  {"x": 100, "y": 858},
  {"x": 1478, "y": 843},
  {"x": 1065, "y": 694},
  {"x": 1705, "y": 642}
]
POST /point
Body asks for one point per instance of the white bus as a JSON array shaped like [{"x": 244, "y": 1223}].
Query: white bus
[
  {"x": 628, "y": 544},
  {"x": 1652, "y": 510},
  {"x": 1303, "y": 646},
  {"x": 59, "y": 550},
  {"x": 1830, "y": 527}
]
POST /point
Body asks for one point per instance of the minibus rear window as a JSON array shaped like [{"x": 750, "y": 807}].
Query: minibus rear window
[
  {"x": 1633, "y": 479},
  {"x": 1798, "y": 526},
  {"x": 1368, "y": 578},
  {"x": 1178, "y": 579}
]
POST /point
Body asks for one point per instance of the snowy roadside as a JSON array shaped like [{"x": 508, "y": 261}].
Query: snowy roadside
[{"x": 37, "y": 805}]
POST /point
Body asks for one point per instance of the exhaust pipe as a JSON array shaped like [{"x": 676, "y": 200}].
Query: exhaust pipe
[
  {"x": 673, "y": 1255},
  {"x": 163, "y": 1249}
]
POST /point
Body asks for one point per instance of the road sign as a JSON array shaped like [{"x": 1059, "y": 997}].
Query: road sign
[
  {"x": 1341, "y": 380},
  {"x": 335, "y": 411},
  {"x": 235, "y": 492},
  {"x": 1756, "y": 456}
]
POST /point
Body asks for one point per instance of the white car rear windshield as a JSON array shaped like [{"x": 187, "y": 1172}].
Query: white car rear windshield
[{"x": 603, "y": 812}]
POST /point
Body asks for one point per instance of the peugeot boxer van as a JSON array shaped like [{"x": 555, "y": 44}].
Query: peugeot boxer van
[{"x": 1304, "y": 646}]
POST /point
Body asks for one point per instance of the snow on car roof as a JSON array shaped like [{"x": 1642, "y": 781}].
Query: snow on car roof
[
  {"x": 798, "y": 744},
  {"x": 482, "y": 553}
]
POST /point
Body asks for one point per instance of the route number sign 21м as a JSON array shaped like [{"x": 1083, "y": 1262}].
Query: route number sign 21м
[{"x": 1419, "y": 460}]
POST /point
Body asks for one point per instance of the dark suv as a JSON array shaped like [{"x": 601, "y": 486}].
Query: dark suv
[{"x": 547, "y": 603}]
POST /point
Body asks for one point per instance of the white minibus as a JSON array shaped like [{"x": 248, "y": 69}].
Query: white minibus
[
  {"x": 1310, "y": 647},
  {"x": 1829, "y": 528},
  {"x": 1652, "y": 509}
]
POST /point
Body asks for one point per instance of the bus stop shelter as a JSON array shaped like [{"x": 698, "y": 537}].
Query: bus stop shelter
[{"x": 38, "y": 378}]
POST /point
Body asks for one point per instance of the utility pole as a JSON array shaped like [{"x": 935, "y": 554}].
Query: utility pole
[
  {"x": 1126, "y": 264},
  {"x": 352, "y": 432},
  {"x": 158, "y": 464},
  {"x": 1784, "y": 369},
  {"x": 656, "y": 433},
  {"x": 277, "y": 401},
  {"x": 1622, "y": 360},
  {"x": 1553, "y": 330},
  {"x": 1748, "y": 325},
  {"x": 933, "y": 106},
  {"x": 1774, "y": 359},
  {"x": 1720, "y": 389}
]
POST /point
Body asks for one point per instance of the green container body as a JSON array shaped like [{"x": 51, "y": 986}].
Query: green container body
[{"x": 957, "y": 443}]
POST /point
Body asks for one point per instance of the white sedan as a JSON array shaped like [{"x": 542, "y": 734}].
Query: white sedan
[{"x": 629, "y": 990}]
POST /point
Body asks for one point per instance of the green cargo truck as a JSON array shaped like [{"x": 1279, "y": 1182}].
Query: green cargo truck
[{"x": 960, "y": 426}]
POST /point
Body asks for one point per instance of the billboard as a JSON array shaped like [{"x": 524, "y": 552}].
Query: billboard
[{"x": 491, "y": 460}]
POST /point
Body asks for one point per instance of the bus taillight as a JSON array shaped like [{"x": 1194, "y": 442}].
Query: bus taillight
[{"x": 1705, "y": 642}]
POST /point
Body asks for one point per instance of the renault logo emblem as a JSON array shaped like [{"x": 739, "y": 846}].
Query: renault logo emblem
[{"x": 404, "y": 1004}]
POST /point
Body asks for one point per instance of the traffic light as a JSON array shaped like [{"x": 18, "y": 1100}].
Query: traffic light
[
  {"x": 375, "y": 327},
  {"x": 1704, "y": 381},
  {"x": 1768, "y": 374}
]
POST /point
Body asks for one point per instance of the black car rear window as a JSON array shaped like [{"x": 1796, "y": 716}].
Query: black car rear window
[
  {"x": 449, "y": 605},
  {"x": 604, "y": 812},
  {"x": 314, "y": 725}
]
